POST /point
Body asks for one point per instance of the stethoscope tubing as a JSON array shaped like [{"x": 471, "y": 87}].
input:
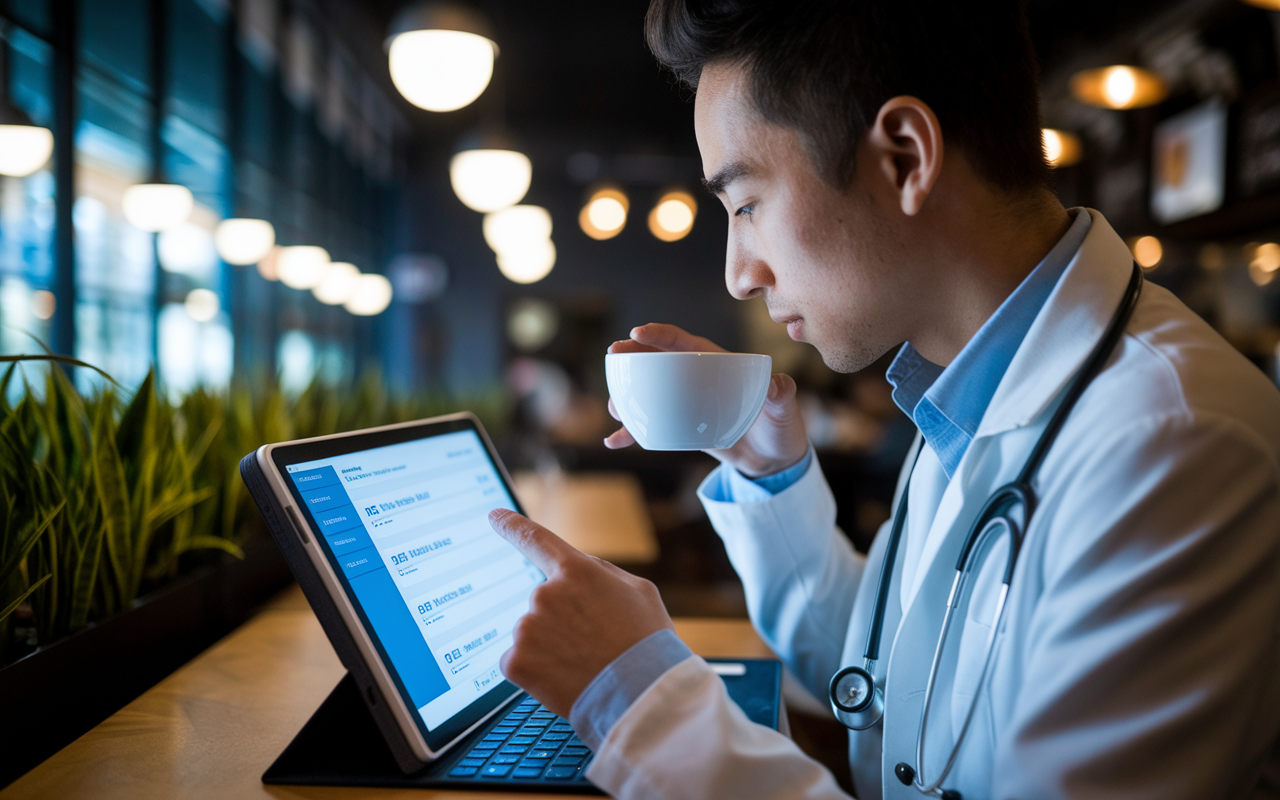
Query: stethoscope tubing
[{"x": 995, "y": 514}]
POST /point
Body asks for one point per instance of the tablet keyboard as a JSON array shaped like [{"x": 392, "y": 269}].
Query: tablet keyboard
[{"x": 529, "y": 743}]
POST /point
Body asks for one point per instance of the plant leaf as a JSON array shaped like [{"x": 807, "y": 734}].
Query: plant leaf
[{"x": 13, "y": 606}]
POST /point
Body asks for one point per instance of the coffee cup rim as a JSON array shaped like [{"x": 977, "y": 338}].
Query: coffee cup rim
[{"x": 686, "y": 353}]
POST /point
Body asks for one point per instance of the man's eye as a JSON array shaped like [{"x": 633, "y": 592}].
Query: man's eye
[{"x": 747, "y": 209}]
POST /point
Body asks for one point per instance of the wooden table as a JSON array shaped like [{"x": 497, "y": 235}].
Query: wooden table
[
  {"x": 600, "y": 513},
  {"x": 213, "y": 727}
]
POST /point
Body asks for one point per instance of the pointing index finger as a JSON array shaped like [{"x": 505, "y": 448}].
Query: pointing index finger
[{"x": 542, "y": 547}]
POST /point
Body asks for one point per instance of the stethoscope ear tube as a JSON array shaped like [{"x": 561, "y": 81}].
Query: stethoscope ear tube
[{"x": 856, "y": 699}]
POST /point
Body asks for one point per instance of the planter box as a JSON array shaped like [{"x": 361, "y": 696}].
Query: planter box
[{"x": 58, "y": 693}]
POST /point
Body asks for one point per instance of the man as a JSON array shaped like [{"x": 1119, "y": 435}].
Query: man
[{"x": 880, "y": 165}]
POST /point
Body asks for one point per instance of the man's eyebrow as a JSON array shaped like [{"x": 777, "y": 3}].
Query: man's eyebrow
[{"x": 718, "y": 182}]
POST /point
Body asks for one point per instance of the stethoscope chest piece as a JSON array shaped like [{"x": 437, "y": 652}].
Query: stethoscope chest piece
[{"x": 856, "y": 700}]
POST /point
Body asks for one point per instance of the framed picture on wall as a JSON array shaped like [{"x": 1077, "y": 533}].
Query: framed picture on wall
[{"x": 1188, "y": 171}]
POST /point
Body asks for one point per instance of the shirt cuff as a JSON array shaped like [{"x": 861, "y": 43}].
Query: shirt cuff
[
  {"x": 727, "y": 485},
  {"x": 618, "y": 685}
]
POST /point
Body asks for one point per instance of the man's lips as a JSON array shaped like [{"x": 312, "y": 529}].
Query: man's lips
[{"x": 794, "y": 324}]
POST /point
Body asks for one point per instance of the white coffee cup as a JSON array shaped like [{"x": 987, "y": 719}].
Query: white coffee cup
[{"x": 687, "y": 401}]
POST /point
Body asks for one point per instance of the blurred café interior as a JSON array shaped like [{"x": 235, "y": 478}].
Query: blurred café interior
[{"x": 284, "y": 218}]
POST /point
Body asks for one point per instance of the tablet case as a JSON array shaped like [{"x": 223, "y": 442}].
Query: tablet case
[
  {"x": 287, "y": 536},
  {"x": 339, "y": 745}
]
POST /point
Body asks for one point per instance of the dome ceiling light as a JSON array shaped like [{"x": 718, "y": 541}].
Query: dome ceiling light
[
  {"x": 339, "y": 285},
  {"x": 1119, "y": 87},
  {"x": 605, "y": 214},
  {"x": 528, "y": 264},
  {"x": 516, "y": 227},
  {"x": 490, "y": 180},
  {"x": 1061, "y": 148},
  {"x": 440, "y": 55},
  {"x": 672, "y": 218},
  {"x": 302, "y": 267},
  {"x": 157, "y": 206},
  {"x": 24, "y": 146},
  {"x": 371, "y": 297},
  {"x": 242, "y": 242}
]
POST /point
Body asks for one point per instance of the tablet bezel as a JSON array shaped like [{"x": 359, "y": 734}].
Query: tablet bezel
[{"x": 274, "y": 459}]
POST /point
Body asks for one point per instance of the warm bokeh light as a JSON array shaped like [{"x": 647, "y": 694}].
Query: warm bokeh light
[
  {"x": 24, "y": 149},
  {"x": 43, "y": 304},
  {"x": 672, "y": 218},
  {"x": 532, "y": 324},
  {"x": 372, "y": 296},
  {"x": 157, "y": 206},
  {"x": 528, "y": 264},
  {"x": 202, "y": 305},
  {"x": 490, "y": 180},
  {"x": 1266, "y": 257},
  {"x": 516, "y": 227},
  {"x": 1061, "y": 148},
  {"x": 1119, "y": 87},
  {"x": 302, "y": 267},
  {"x": 1147, "y": 251},
  {"x": 242, "y": 242},
  {"x": 340, "y": 283},
  {"x": 441, "y": 70},
  {"x": 1270, "y": 5},
  {"x": 605, "y": 214}
]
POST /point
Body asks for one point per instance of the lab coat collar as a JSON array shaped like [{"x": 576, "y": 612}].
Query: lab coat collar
[{"x": 1067, "y": 328}]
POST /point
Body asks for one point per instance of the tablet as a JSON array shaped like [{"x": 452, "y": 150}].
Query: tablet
[{"x": 387, "y": 531}]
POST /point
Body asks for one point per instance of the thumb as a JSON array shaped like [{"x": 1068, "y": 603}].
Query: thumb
[
  {"x": 547, "y": 551},
  {"x": 780, "y": 401}
]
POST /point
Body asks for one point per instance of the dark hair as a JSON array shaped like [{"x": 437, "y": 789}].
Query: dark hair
[{"x": 824, "y": 68}]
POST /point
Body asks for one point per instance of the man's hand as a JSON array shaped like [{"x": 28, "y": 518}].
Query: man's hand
[
  {"x": 586, "y": 614},
  {"x": 776, "y": 441}
]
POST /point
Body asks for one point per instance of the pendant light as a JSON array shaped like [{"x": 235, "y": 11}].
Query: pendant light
[
  {"x": 440, "y": 55},
  {"x": 242, "y": 241},
  {"x": 488, "y": 174},
  {"x": 1120, "y": 87},
  {"x": 24, "y": 146},
  {"x": 672, "y": 217}
]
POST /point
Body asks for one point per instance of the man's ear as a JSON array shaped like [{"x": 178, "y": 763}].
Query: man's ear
[{"x": 906, "y": 146}]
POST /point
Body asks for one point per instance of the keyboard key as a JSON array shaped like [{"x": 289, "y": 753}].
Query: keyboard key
[
  {"x": 515, "y": 748},
  {"x": 541, "y": 753},
  {"x": 481, "y": 752},
  {"x": 526, "y": 772},
  {"x": 463, "y": 772},
  {"x": 523, "y": 739},
  {"x": 496, "y": 771},
  {"x": 576, "y": 751},
  {"x": 553, "y": 736},
  {"x": 495, "y": 739},
  {"x": 501, "y": 729},
  {"x": 534, "y": 762},
  {"x": 561, "y": 773},
  {"x": 471, "y": 762},
  {"x": 568, "y": 761},
  {"x": 506, "y": 758},
  {"x": 562, "y": 726}
]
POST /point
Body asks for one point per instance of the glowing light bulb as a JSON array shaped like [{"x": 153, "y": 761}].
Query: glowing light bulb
[
  {"x": 528, "y": 264},
  {"x": 339, "y": 285},
  {"x": 1147, "y": 251},
  {"x": 672, "y": 218},
  {"x": 24, "y": 149},
  {"x": 202, "y": 305},
  {"x": 490, "y": 180},
  {"x": 1119, "y": 86},
  {"x": 244, "y": 241},
  {"x": 302, "y": 267},
  {"x": 441, "y": 70},
  {"x": 605, "y": 214},
  {"x": 1061, "y": 148},
  {"x": 187, "y": 249},
  {"x": 157, "y": 206},
  {"x": 517, "y": 226},
  {"x": 372, "y": 296}
]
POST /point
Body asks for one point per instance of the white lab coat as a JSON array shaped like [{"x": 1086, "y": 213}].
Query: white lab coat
[{"x": 1139, "y": 656}]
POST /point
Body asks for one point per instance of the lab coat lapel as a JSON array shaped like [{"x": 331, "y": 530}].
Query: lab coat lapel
[{"x": 1066, "y": 330}]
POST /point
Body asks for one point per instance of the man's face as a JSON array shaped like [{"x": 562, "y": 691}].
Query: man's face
[{"x": 821, "y": 258}]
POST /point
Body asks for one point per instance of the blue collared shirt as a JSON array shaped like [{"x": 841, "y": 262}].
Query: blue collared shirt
[{"x": 946, "y": 404}]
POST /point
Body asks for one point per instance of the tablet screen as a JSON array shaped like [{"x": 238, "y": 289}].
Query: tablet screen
[{"x": 407, "y": 531}]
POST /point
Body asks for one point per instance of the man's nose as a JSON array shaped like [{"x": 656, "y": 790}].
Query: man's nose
[{"x": 745, "y": 274}]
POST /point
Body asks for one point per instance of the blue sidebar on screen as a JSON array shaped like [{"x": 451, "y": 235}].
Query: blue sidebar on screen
[{"x": 335, "y": 517}]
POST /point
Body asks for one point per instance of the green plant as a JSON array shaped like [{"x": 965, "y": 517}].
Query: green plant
[{"x": 106, "y": 497}]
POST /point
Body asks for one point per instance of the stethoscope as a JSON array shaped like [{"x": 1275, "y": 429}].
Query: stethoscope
[{"x": 856, "y": 696}]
